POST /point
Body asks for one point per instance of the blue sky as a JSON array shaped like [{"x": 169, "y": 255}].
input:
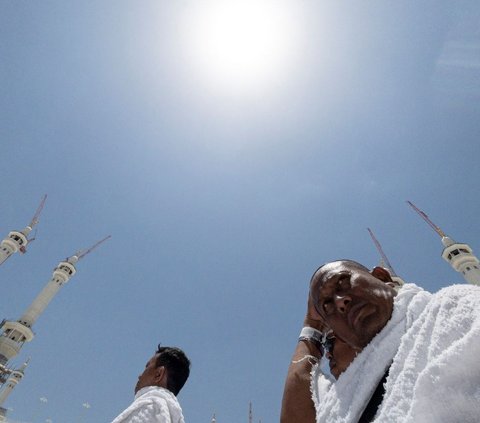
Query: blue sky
[{"x": 221, "y": 199}]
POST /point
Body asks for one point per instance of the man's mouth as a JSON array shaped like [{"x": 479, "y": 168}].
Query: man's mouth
[{"x": 354, "y": 313}]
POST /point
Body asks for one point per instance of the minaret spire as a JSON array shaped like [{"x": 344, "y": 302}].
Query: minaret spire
[
  {"x": 385, "y": 259},
  {"x": 15, "y": 334},
  {"x": 250, "y": 413},
  {"x": 381, "y": 252},
  {"x": 18, "y": 240},
  {"x": 459, "y": 256},
  {"x": 82, "y": 253},
  {"x": 35, "y": 217},
  {"x": 424, "y": 216}
]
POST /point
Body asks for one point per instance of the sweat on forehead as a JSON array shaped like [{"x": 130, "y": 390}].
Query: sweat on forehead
[{"x": 346, "y": 262}]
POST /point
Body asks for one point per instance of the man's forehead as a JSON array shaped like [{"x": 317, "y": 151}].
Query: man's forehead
[{"x": 330, "y": 269}]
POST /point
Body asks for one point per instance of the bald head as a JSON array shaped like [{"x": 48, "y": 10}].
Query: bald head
[{"x": 354, "y": 302}]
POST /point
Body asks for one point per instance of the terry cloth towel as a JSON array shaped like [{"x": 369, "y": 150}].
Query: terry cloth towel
[
  {"x": 152, "y": 404},
  {"x": 433, "y": 343},
  {"x": 435, "y": 376},
  {"x": 343, "y": 401}
]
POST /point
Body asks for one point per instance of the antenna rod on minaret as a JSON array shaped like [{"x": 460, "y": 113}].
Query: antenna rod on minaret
[
  {"x": 424, "y": 216},
  {"x": 382, "y": 253},
  {"x": 82, "y": 253},
  {"x": 250, "y": 413},
  {"x": 35, "y": 217}
]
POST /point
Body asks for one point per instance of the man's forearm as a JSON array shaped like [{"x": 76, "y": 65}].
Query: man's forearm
[{"x": 297, "y": 404}]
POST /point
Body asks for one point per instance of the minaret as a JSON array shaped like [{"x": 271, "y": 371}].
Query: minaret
[
  {"x": 18, "y": 240},
  {"x": 214, "y": 420},
  {"x": 14, "y": 379},
  {"x": 385, "y": 262},
  {"x": 15, "y": 334},
  {"x": 459, "y": 256}
]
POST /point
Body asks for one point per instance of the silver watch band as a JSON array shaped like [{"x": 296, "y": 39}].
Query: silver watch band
[{"x": 312, "y": 335}]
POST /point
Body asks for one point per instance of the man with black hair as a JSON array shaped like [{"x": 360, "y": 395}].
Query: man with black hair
[{"x": 157, "y": 387}]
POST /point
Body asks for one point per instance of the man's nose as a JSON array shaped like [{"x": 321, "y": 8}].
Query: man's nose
[{"x": 342, "y": 303}]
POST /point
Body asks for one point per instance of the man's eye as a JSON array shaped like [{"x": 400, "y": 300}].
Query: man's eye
[
  {"x": 327, "y": 307},
  {"x": 343, "y": 283}
]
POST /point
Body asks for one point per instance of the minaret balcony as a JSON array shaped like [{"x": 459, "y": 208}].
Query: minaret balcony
[
  {"x": 64, "y": 270},
  {"x": 26, "y": 332},
  {"x": 9, "y": 348}
]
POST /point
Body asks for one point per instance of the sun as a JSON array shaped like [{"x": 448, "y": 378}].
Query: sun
[{"x": 241, "y": 44}]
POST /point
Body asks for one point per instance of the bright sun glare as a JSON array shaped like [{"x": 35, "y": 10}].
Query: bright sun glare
[{"x": 242, "y": 44}]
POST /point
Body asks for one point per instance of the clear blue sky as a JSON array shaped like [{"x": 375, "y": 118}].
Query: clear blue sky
[{"x": 221, "y": 199}]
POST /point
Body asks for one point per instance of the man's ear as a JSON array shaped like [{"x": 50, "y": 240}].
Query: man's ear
[
  {"x": 161, "y": 376},
  {"x": 382, "y": 274}
]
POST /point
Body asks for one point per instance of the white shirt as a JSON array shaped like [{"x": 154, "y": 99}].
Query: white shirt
[{"x": 152, "y": 404}]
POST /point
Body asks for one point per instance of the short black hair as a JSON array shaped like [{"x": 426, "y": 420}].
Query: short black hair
[{"x": 177, "y": 365}]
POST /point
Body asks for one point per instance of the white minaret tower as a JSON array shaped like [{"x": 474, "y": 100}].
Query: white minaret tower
[
  {"x": 214, "y": 420},
  {"x": 459, "y": 256},
  {"x": 384, "y": 261},
  {"x": 15, "y": 334},
  {"x": 15, "y": 377},
  {"x": 18, "y": 240}
]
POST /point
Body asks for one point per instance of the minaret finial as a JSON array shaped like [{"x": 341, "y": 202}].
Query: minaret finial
[
  {"x": 82, "y": 253},
  {"x": 35, "y": 217},
  {"x": 424, "y": 216},
  {"x": 382, "y": 253}
]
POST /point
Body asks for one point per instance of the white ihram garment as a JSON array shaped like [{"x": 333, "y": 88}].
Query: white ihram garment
[
  {"x": 152, "y": 404},
  {"x": 433, "y": 343}
]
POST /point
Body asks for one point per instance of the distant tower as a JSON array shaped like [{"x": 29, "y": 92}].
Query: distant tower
[
  {"x": 15, "y": 334},
  {"x": 214, "y": 420},
  {"x": 459, "y": 256},
  {"x": 384, "y": 261},
  {"x": 14, "y": 379},
  {"x": 250, "y": 413},
  {"x": 17, "y": 240}
]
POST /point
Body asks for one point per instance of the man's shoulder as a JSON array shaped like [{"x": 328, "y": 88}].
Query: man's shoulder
[
  {"x": 459, "y": 289},
  {"x": 461, "y": 293},
  {"x": 155, "y": 395},
  {"x": 152, "y": 404}
]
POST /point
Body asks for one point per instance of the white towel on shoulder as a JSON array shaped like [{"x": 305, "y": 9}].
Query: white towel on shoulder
[
  {"x": 343, "y": 401},
  {"x": 434, "y": 342},
  {"x": 152, "y": 404},
  {"x": 435, "y": 376}
]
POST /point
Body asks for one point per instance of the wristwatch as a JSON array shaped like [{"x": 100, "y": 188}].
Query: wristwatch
[{"x": 312, "y": 335}]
